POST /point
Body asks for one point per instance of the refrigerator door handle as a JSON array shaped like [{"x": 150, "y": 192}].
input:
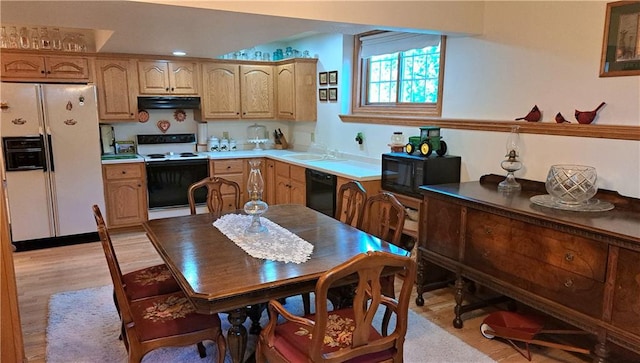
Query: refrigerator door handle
[{"x": 50, "y": 153}]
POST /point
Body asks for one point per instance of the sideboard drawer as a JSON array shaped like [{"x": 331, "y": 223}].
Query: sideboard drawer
[
  {"x": 530, "y": 258},
  {"x": 569, "y": 252}
]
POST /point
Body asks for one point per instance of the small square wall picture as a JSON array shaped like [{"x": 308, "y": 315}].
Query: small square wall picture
[
  {"x": 322, "y": 94},
  {"x": 333, "y": 94}
]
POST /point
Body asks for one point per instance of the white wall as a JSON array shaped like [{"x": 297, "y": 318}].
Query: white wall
[{"x": 544, "y": 53}]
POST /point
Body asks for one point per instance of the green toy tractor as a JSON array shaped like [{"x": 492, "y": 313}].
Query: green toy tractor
[{"x": 428, "y": 142}]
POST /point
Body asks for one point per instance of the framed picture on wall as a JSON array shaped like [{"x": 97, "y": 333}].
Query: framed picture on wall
[
  {"x": 621, "y": 46},
  {"x": 322, "y": 94},
  {"x": 322, "y": 77},
  {"x": 333, "y": 77},
  {"x": 333, "y": 94}
]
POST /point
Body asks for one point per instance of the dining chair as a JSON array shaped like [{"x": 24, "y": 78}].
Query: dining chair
[
  {"x": 158, "y": 321},
  {"x": 215, "y": 194},
  {"x": 349, "y": 209},
  {"x": 350, "y": 206},
  {"x": 384, "y": 218},
  {"x": 139, "y": 284},
  {"x": 346, "y": 334}
]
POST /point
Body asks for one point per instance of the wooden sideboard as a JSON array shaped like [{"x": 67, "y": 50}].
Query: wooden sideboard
[{"x": 580, "y": 267}]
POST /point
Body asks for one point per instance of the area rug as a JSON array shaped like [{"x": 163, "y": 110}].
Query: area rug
[{"x": 83, "y": 327}]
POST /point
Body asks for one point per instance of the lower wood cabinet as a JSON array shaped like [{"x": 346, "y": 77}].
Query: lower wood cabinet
[
  {"x": 125, "y": 192},
  {"x": 290, "y": 184},
  {"x": 233, "y": 170},
  {"x": 269, "y": 176}
]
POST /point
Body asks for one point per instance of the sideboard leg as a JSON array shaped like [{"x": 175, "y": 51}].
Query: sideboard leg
[
  {"x": 459, "y": 295},
  {"x": 601, "y": 350},
  {"x": 420, "y": 284}
]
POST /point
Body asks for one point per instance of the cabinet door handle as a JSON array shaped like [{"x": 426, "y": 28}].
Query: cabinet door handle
[
  {"x": 124, "y": 172},
  {"x": 167, "y": 89},
  {"x": 568, "y": 282},
  {"x": 568, "y": 257},
  {"x": 42, "y": 71},
  {"x": 172, "y": 89}
]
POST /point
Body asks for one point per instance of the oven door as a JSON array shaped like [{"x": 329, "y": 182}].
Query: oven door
[{"x": 168, "y": 182}]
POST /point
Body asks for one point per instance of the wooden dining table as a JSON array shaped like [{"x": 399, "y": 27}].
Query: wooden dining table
[{"x": 220, "y": 277}]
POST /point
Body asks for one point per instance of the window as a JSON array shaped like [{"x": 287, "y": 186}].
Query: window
[{"x": 399, "y": 73}]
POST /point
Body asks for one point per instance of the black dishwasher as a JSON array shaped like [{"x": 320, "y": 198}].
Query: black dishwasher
[{"x": 321, "y": 191}]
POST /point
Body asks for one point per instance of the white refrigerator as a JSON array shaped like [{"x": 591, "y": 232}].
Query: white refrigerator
[{"x": 55, "y": 201}]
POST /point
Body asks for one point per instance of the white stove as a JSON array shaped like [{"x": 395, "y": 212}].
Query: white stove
[
  {"x": 173, "y": 156},
  {"x": 173, "y": 147}
]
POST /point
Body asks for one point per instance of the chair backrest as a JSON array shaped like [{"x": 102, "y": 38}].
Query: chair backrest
[
  {"x": 351, "y": 199},
  {"x": 384, "y": 217},
  {"x": 114, "y": 267},
  {"x": 215, "y": 190},
  {"x": 368, "y": 267}
]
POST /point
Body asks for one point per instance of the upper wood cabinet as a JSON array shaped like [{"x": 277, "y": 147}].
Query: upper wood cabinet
[
  {"x": 220, "y": 91},
  {"x": 164, "y": 77},
  {"x": 116, "y": 83},
  {"x": 257, "y": 92},
  {"x": 24, "y": 66},
  {"x": 233, "y": 91},
  {"x": 296, "y": 90}
]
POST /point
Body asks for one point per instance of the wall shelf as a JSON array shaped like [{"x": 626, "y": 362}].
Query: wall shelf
[{"x": 543, "y": 128}]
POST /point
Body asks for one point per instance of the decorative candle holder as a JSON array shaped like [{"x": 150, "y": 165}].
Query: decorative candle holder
[
  {"x": 511, "y": 164},
  {"x": 255, "y": 207}
]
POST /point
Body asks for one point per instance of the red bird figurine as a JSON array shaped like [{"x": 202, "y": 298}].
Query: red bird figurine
[
  {"x": 560, "y": 119},
  {"x": 586, "y": 117},
  {"x": 533, "y": 115}
]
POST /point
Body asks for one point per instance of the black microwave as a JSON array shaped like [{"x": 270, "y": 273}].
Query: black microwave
[{"x": 404, "y": 174}]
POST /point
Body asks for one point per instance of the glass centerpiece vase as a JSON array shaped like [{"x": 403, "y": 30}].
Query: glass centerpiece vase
[
  {"x": 255, "y": 207},
  {"x": 511, "y": 164}
]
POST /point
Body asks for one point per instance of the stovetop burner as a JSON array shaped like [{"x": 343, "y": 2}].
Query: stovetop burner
[
  {"x": 187, "y": 155},
  {"x": 156, "y": 156}
]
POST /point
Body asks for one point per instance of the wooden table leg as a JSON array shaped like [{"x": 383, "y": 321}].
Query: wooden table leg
[
  {"x": 255, "y": 313},
  {"x": 237, "y": 334}
]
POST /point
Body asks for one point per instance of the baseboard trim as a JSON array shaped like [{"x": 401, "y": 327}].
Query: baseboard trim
[{"x": 40, "y": 243}]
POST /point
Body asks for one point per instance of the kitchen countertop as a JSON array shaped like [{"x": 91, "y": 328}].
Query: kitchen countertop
[{"x": 350, "y": 169}]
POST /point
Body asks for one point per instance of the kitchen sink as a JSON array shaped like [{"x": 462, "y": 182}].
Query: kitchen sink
[
  {"x": 307, "y": 157},
  {"x": 314, "y": 157}
]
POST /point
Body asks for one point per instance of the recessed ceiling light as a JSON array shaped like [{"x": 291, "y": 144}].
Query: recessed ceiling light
[{"x": 179, "y": 53}]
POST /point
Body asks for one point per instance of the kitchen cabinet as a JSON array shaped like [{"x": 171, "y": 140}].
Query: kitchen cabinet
[
  {"x": 125, "y": 194},
  {"x": 167, "y": 77},
  {"x": 296, "y": 90},
  {"x": 116, "y": 86},
  {"x": 44, "y": 68},
  {"x": 290, "y": 184},
  {"x": 257, "y": 91},
  {"x": 220, "y": 91},
  {"x": 233, "y": 170},
  {"x": 269, "y": 176},
  {"x": 234, "y": 91},
  {"x": 579, "y": 267}
]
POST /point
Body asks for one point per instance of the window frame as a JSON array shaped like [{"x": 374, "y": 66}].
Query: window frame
[{"x": 358, "y": 103}]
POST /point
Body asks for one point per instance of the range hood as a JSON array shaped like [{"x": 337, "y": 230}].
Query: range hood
[{"x": 168, "y": 102}]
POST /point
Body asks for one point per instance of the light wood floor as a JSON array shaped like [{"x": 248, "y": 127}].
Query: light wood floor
[{"x": 42, "y": 273}]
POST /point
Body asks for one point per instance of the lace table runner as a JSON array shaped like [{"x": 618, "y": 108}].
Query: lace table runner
[{"x": 276, "y": 244}]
